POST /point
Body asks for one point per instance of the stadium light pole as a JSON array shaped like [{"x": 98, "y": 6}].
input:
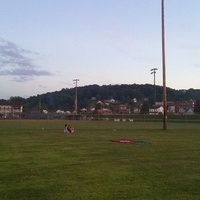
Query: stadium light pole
[
  {"x": 76, "y": 98},
  {"x": 164, "y": 68},
  {"x": 153, "y": 71}
]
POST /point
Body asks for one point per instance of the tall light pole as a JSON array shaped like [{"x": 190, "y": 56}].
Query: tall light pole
[
  {"x": 76, "y": 98},
  {"x": 153, "y": 71},
  {"x": 164, "y": 69}
]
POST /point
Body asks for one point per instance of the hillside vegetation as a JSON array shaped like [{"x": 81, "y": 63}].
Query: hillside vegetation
[{"x": 87, "y": 95}]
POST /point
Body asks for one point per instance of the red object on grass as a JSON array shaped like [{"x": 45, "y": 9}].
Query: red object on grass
[{"x": 124, "y": 141}]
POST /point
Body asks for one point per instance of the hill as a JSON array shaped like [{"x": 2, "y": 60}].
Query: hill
[{"x": 87, "y": 95}]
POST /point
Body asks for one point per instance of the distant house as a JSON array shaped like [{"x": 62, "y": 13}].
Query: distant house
[
  {"x": 179, "y": 106},
  {"x": 45, "y": 112},
  {"x": 123, "y": 109},
  {"x": 171, "y": 106},
  {"x": 104, "y": 111},
  {"x": 10, "y": 110},
  {"x": 112, "y": 101},
  {"x": 190, "y": 111},
  {"x": 184, "y": 106},
  {"x": 60, "y": 111},
  {"x": 83, "y": 110},
  {"x": 156, "y": 110},
  {"x": 136, "y": 110}
]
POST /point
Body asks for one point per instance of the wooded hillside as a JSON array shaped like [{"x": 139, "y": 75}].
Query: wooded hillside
[{"x": 64, "y": 99}]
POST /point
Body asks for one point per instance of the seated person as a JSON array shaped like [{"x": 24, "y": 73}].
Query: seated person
[
  {"x": 70, "y": 129},
  {"x": 65, "y": 129}
]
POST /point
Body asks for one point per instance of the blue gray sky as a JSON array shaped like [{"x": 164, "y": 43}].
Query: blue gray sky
[{"x": 46, "y": 44}]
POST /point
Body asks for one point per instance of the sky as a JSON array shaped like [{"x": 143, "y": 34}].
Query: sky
[{"x": 46, "y": 44}]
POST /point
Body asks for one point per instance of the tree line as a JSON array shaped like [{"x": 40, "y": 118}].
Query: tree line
[{"x": 88, "y": 95}]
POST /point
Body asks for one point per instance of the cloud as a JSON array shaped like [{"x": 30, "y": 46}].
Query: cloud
[
  {"x": 18, "y": 62},
  {"x": 21, "y": 79},
  {"x": 42, "y": 86}
]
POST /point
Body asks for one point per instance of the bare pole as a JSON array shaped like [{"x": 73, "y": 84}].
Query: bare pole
[
  {"x": 164, "y": 69},
  {"x": 76, "y": 98},
  {"x": 153, "y": 71}
]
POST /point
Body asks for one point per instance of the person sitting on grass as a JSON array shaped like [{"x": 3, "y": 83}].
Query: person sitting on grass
[
  {"x": 65, "y": 129},
  {"x": 70, "y": 129}
]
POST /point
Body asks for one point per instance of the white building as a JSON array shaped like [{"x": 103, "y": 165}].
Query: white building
[
  {"x": 10, "y": 111},
  {"x": 156, "y": 110}
]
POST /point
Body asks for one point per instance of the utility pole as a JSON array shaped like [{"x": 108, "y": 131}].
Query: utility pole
[
  {"x": 153, "y": 71},
  {"x": 164, "y": 69},
  {"x": 40, "y": 106},
  {"x": 76, "y": 99}
]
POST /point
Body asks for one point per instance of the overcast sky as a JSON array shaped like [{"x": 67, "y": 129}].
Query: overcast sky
[{"x": 46, "y": 44}]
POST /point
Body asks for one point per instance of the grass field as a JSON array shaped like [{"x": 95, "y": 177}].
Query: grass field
[{"x": 45, "y": 164}]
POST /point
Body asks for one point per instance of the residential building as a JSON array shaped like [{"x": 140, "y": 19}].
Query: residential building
[
  {"x": 10, "y": 110},
  {"x": 123, "y": 109},
  {"x": 156, "y": 110},
  {"x": 184, "y": 106}
]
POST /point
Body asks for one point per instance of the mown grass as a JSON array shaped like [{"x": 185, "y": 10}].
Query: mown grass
[{"x": 46, "y": 164}]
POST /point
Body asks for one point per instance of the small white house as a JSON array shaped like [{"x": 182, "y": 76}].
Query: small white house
[
  {"x": 60, "y": 111},
  {"x": 157, "y": 110},
  {"x": 45, "y": 112}
]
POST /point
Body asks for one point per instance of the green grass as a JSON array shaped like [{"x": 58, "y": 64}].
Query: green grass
[{"x": 45, "y": 164}]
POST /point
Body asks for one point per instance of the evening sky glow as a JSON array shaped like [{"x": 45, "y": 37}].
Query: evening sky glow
[{"x": 46, "y": 44}]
